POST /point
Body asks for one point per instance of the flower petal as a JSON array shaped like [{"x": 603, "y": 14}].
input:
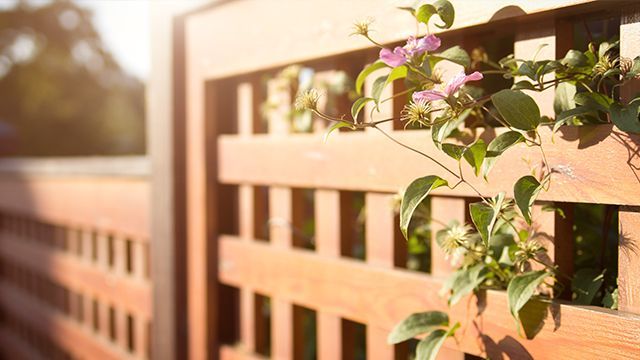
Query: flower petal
[
  {"x": 393, "y": 58},
  {"x": 428, "y": 95},
  {"x": 456, "y": 82},
  {"x": 428, "y": 43}
]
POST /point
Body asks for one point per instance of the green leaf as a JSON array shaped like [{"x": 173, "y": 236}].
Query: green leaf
[
  {"x": 455, "y": 54},
  {"x": 525, "y": 191},
  {"x": 563, "y": 98},
  {"x": 425, "y": 12},
  {"x": 624, "y": 117},
  {"x": 575, "y": 58},
  {"x": 585, "y": 285},
  {"x": 443, "y": 129},
  {"x": 358, "y": 105},
  {"x": 380, "y": 83},
  {"x": 467, "y": 280},
  {"x": 366, "y": 72},
  {"x": 523, "y": 85},
  {"x": 413, "y": 196},
  {"x": 635, "y": 69},
  {"x": 498, "y": 146},
  {"x": 521, "y": 288},
  {"x": 610, "y": 299},
  {"x": 453, "y": 150},
  {"x": 416, "y": 324},
  {"x": 517, "y": 108},
  {"x": 334, "y": 127},
  {"x": 484, "y": 216},
  {"x": 446, "y": 12},
  {"x": 595, "y": 101},
  {"x": 475, "y": 155},
  {"x": 566, "y": 116},
  {"x": 429, "y": 347}
]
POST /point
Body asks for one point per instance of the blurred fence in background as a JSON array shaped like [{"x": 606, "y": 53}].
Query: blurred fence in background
[{"x": 74, "y": 258}]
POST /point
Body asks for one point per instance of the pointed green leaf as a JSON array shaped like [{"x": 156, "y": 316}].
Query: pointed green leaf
[
  {"x": 595, "y": 101},
  {"x": 563, "y": 98},
  {"x": 521, "y": 288},
  {"x": 484, "y": 216},
  {"x": 425, "y": 12},
  {"x": 586, "y": 284},
  {"x": 417, "y": 324},
  {"x": 525, "y": 191},
  {"x": 413, "y": 196},
  {"x": 575, "y": 58},
  {"x": 518, "y": 109},
  {"x": 453, "y": 150},
  {"x": 523, "y": 85},
  {"x": 380, "y": 83},
  {"x": 498, "y": 146},
  {"x": 334, "y": 127},
  {"x": 429, "y": 347},
  {"x": 475, "y": 155},
  {"x": 625, "y": 118},
  {"x": 366, "y": 72},
  {"x": 358, "y": 105},
  {"x": 466, "y": 281},
  {"x": 455, "y": 54},
  {"x": 446, "y": 12}
]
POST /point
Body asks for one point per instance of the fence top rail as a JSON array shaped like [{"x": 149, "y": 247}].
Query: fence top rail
[
  {"x": 322, "y": 29},
  {"x": 120, "y": 166}
]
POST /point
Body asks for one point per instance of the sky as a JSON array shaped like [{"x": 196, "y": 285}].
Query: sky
[{"x": 124, "y": 27}]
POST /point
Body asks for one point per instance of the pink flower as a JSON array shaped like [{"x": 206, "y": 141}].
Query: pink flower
[
  {"x": 413, "y": 47},
  {"x": 454, "y": 84}
]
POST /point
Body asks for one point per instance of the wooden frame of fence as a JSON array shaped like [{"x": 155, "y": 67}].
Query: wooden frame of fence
[
  {"x": 74, "y": 256},
  {"x": 217, "y": 92}
]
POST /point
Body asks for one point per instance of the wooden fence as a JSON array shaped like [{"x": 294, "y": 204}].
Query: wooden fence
[
  {"x": 74, "y": 259},
  {"x": 243, "y": 174}
]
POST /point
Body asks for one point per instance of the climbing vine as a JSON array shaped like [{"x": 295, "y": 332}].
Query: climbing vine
[{"x": 500, "y": 248}]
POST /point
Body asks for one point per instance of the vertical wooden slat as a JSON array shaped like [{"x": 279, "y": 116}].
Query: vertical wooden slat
[
  {"x": 246, "y": 218},
  {"x": 380, "y": 237},
  {"x": 529, "y": 41},
  {"x": 327, "y": 209},
  {"x": 280, "y": 222},
  {"x": 557, "y": 38},
  {"x": 629, "y": 260},
  {"x": 141, "y": 340},
  {"x": 443, "y": 211},
  {"x": 629, "y": 217}
]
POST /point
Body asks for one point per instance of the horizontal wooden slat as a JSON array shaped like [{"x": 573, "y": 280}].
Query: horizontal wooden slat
[
  {"x": 383, "y": 297},
  {"x": 126, "y": 293},
  {"x": 79, "y": 341},
  {"x": 15, "y": 348},
  {"x": 591, "y": 170},
  {"x": 110, "y": 203},
  {"x": 228, "y": 352},
  {"x": 329, "y": 23},
  {"x": 123, "y": 166}
]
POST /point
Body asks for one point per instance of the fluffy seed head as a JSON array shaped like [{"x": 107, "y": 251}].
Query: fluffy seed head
[
  {"x": 307, "y": 100},
  {"x": 416, "y": 112}
]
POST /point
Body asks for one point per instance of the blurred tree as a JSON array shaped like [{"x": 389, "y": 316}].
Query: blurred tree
[{"x": 61, "y": 92}]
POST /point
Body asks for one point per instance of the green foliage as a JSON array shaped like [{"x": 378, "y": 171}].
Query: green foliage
[
  {"x": 416, "y": 324},
  {"x": 518, "y": 109},
  {"x": 475, "y": 155},
  {"x": 484, "y": 216},
  {"x": 525, "y": 191},
  {"x": 429, "y": 346},
  {"x": 465, "y": 280},
  {"x": 521, "y": 289},
  {"x": 414, "y": 195},
  {"x": 366, "y": 72},
  {"x": 498, "y": 146},
  {"x": 455, "y": 54},
  {"x": 625, "y": 117},
  {"x": 443, "y": 8},
  {"x": 586, "y": 284}
]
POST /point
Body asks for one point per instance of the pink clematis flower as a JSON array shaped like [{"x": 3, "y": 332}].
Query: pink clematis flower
[
  {"x": 454, "y": 84},
  {"x": 401, "y": 55}
]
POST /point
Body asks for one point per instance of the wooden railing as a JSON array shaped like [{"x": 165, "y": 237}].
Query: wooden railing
[
  {"x": 243, "y": 175},
  {"x": 74, "y": 258}
]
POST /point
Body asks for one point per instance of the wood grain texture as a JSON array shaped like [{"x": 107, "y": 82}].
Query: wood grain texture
[
  {"x": 583, "y": 169},
  {"x": 108, "y": 203},
  {"x": 319, "y": 20},
  {"x": 81, "y": 342},
  {"x": 628, "y": 260},
  {"x": 382, "y": 297},
  {"x": 128, "y": 293},
  {"x": 328, "y": 214}
]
